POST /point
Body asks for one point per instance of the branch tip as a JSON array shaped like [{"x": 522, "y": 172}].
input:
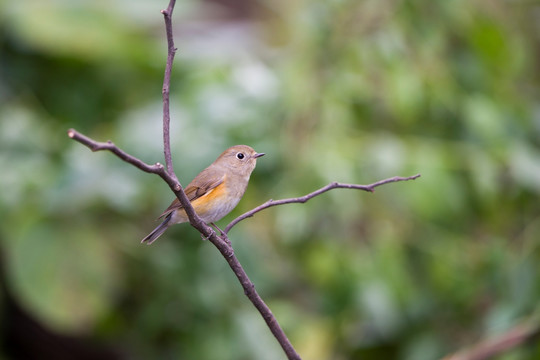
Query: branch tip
[{"x": 71, "y": 133}]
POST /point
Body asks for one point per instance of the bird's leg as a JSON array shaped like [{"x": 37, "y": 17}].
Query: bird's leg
[{"x": 221, "y": 233}]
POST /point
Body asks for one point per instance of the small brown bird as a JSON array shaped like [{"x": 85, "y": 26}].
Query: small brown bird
[{"x": 215, "y": 192}]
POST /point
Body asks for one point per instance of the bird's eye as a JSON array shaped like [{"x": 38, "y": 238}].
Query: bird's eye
[{"x": 240, "y": 156}]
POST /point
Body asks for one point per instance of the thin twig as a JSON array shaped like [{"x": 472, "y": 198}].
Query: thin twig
[
  {"x": 172, "y": 180},
  {"x": 93, "y": 145},
  {"x": 305, "y": 198},
  {"x": 171, "y": 51}
]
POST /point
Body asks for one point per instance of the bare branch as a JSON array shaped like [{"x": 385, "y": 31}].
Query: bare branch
[
  {"x": 157, "y": 168},
  {"x": 222, "y": 242},
  {"x": 109, "y": 146},
  {"x": 171, "y": 51},
  {"x": 172, "y": 179},
  {"x": 305, "y": 198},
  {"x": 168, "y": 175},
  {"x": 498, "y": 344},
  {"x": 256, "y": 300}
]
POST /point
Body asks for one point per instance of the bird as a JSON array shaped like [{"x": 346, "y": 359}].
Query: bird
[{"x": 214, "y": 192}]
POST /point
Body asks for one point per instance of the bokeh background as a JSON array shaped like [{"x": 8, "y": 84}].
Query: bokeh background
[{"x": 342, "y": 90}]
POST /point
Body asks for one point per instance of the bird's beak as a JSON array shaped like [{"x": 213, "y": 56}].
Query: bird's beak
[{"x": 258, "y": 155}]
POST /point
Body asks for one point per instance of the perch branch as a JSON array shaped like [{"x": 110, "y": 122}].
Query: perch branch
[
  {"x": 220, "y": 242},
  {"x": 305, "y": 198}
]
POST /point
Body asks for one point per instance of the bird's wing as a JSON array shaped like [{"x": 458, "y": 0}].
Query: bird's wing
[{"x": 206, "y": 181}]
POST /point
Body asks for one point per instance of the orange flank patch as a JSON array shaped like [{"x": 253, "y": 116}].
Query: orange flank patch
[{"x": 211, "y": 201}]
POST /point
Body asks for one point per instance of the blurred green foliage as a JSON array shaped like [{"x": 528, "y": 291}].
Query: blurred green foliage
[{"x": 341, "y": 90}]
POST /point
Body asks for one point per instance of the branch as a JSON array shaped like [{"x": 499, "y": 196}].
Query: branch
[
  {"x": 167, "y": 175},
  {"x": 170, "y": 176},
  {"x": 498, "y": 344},
  {"x": 157, "y": 168},
  {"x": 256, "y": 300},
  {"x": 305, "y": 198},
  {"x": 171, "y": 51},
  {"x": 171, "y": 179},
  {"x": 222, "y": 243},
  {"x": 93, "y": 145}
]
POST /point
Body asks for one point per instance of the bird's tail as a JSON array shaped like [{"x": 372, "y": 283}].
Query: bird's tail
[{"x": 150, "y": 238}]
